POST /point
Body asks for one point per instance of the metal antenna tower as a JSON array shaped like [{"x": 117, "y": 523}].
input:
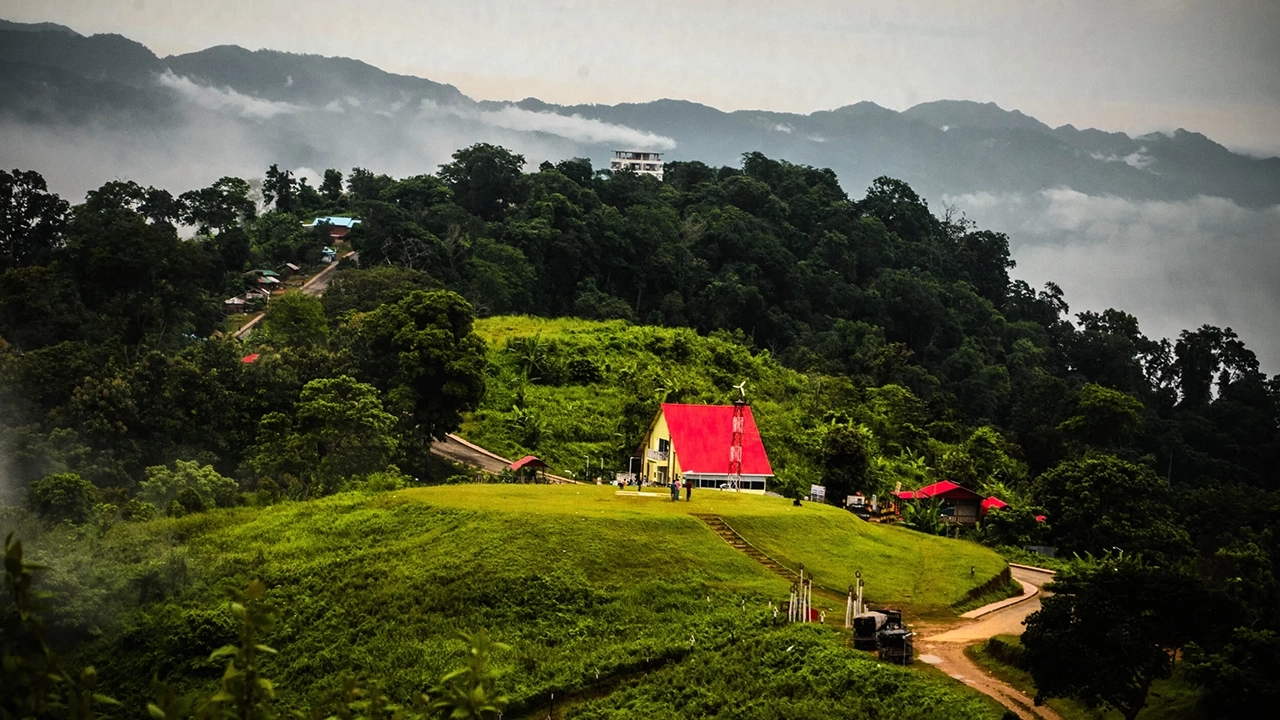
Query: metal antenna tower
[{"x": 735, "y": 444}]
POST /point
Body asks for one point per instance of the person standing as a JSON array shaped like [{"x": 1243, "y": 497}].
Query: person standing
[
  {"x": 688, "y": 490},
  {"x": 675, "y": 490}
]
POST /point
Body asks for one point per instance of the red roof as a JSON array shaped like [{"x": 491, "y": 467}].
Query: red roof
[
  {"x": 703, "y": 434},
  {"x": 528, "y": 461},
  {"x": 945, "y": 489},
  {"x": 249, "y": 358},
  {"x": 993, "y": 503}
]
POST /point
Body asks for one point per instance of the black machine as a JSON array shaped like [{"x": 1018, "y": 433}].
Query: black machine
[
  {"x": 865, "y": 627},
  {"x": 894, "y": 640}
]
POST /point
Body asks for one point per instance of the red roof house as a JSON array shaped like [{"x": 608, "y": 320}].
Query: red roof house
[
  {"x": 959, "y": 504},
  {"x": 695, "y": 442}
]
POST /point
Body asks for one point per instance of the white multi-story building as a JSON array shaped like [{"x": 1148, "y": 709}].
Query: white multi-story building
[{"x": 647, "y": 163}]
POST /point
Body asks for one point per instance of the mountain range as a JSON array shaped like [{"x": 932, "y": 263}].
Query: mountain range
[{"x": 314, "y": 111}]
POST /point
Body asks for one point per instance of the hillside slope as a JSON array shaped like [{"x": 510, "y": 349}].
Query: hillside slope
[{"x": 576, "y": 579}]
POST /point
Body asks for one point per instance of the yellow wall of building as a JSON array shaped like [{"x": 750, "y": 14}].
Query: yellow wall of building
[{"x": 658, "y": 430}]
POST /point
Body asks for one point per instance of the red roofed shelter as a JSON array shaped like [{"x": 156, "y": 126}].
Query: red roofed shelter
[
  {"x": 527, "y": 469},
  {"x": 959, "y": 504},
  {"x": 694, "y": 441}
]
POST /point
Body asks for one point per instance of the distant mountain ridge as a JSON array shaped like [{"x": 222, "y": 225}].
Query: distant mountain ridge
[{"x": 51, "y": 76}]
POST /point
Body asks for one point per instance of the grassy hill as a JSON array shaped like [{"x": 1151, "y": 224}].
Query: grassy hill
[
  {"x": 595, "y": 593},
  {"x": 567, "y": 388}
]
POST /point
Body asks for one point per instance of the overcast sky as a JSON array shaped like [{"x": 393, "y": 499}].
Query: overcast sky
[{"x": 1135, "y": 66}]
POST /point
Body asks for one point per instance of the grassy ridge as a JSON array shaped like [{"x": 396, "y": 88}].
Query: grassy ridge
[
  {"x": 899, "y": 566},
  {"x": 565, "y": 388},
  {"x": 925, "y": 572},
  {"x": 578, "y": 580}
]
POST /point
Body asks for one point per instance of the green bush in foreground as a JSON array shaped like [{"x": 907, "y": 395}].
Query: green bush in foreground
[{"x": 795, "y": 672}]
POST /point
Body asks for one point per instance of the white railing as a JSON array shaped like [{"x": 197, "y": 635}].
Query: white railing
[{"x": 656, "y": 455}]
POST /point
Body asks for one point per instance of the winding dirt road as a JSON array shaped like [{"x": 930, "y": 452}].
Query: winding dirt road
[
  {"x": 314, "y": 286},
  {"x": 946, "y": 649}
]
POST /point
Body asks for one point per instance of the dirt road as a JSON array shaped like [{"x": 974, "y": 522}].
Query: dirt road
[
  {"x": 314, "y": 286},
  {"x": 946, "y": 649}
]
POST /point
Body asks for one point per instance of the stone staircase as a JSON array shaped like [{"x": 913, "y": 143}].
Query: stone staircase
[{"x": 731, "y": 536}]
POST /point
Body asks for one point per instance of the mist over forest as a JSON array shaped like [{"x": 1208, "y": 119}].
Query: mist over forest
[{"x": 1174, "y": 228}]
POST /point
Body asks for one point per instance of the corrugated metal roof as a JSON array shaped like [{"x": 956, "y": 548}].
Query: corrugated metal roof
[
  {"x": 702, "y": 435},
  {"x": 944, "y": 489},
  {"x": 528, "y": 461},
  {"x": 335, "y": 220}
]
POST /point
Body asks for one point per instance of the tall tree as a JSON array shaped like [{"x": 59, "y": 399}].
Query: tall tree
[
  {"x": 486, "y": 179},
  {"x": 423, "y": 353},
  {"x": 279, "y": 188},
  {"x": 32, "y": 220},
  {"x": 1107, "y": 631},
  {"x": 1101, "y": 502}
]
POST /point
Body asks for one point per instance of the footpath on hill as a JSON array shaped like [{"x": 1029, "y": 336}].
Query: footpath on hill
[{"x": 945, "y": 649}]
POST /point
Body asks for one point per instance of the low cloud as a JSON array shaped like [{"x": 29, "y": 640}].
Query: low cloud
[
  {"x": 226, "y": 100},
  {"x": 1139, "y": 159},
  {"x": 1174, "y": 265},
  {"x": 571, "y": 127}
]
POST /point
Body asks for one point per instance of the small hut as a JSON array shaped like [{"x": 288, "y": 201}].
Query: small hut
[
  {"x": 530, "y": 469},
  {"x": 959, "y": 504}
]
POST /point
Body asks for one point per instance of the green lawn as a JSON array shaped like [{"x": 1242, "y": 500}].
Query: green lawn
[
  {"x": 577, "y": 580},
  {"x": 899, "y": 566}
]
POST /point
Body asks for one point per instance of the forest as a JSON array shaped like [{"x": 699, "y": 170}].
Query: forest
[{"x": 886, "y": 339}]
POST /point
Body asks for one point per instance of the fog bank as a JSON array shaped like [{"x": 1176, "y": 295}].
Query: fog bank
[{"x": 1175, "y": 265}]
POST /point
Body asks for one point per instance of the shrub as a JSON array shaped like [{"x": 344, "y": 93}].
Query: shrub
[
  {"x": 191, "y": 485},
  {"x": 139, "y": 511},
  {"x": 64, "y": 496}
]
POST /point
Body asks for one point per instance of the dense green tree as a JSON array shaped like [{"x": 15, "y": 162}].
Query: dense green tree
[
  {"x": 221, "y": 206},
  {"x": 1100, "y": 503},
  {"x": 1104, "y": 418},
  {"x": 1239, "y": 680},
  {"x": 331, "y": 186},
  {"x": 295, "y": 319},
  {"x": 500, "y": 279},
  {"x": 364, "y": 289},
  {"x": 847, "y": 450},
  {"x": 280, "y": 189},
  {"x": 40, "y": 307},
  {"x": 338, "y": 432},
  {"x": 144, "y": 283},
  {"x": 485, "y": 179},
  {"x": 424, "y": 355},
  {"x": 164, "y": 485},
  {"x": 65, "y": 496},
  {"x": 363, "y": 184},
  {"x": 1107, "y": 630},
  {"x": 32, "y": 220}
]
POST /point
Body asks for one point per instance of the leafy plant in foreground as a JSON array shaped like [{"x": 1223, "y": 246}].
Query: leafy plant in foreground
[
  {"x": 34, "y": 680},
  {"x": 245, "y": 693}
]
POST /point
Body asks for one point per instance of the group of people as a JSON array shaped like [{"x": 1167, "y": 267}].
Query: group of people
[
  {"x": 675, "y": 486},
  {"x": 675, "y": 489}
]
